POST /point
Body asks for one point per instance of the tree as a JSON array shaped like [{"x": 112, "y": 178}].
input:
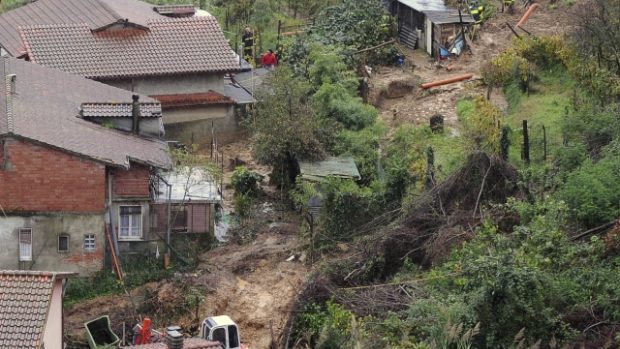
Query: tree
[
  {"x": 286, "y": 126},
  {"x": 598, "y": 32}
]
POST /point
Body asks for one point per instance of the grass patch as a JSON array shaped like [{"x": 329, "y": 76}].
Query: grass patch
[{"x": 546, "y": 105}]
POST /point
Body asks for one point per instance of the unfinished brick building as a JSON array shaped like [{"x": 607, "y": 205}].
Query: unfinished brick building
[{"x": 63, "y": 176}]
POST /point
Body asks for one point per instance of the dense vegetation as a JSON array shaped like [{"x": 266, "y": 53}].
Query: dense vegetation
[
  {"x": 432, "y": 258},
  {"x": 515, "y": 275}
]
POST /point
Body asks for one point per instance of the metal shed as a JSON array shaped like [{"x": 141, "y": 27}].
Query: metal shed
[
  {"x": 428, "y": 24},
  {"x": 339, "y": 167}
]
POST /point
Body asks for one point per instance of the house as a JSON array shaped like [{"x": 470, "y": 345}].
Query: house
[
  {"x": 430, "y": 24},
  {"x": 31, "y": 309},
  {"x": 193, "y": 195},
  {"x": 171, "y": 53},
  {"x": 63, "y": 176}
]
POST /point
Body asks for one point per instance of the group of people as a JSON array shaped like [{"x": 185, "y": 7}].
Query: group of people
[{"x": 268, "y": 60}]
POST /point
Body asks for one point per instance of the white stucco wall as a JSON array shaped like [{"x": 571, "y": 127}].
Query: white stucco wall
[
  {"x": 45, "y": 232},
  {"x": 53, "y": 336}
]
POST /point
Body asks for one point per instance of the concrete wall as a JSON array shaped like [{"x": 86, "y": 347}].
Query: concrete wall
[
  {"x": 53, "y": 336},
  {"x": 192, "y": 125},
  {"x": 172, "y": 85},
  {"x": 45, "y": 232},
  {"x": 151, "y": 127},
  {"x": 39, "y": 178}
]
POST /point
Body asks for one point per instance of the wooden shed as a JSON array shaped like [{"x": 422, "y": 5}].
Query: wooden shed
[{"x": 429, "y": 24}]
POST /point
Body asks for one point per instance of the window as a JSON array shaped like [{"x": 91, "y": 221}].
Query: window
[
  {"x": 219, "y": 335},
  {"x": 89, "y": 243},
  {"x": 233, "y": 337},
  {"x": 130, "y": 222},
  {"x": 179, "y": 218},
  {"x": 63, "y": 243},
  {"x": 25, "y": 244}
]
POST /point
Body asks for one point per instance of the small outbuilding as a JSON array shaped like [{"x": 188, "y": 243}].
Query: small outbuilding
[
  {"x": 338, "y": 167},
  {"x": 431, "y": 25},
  {"x": 193, "y": 194}
]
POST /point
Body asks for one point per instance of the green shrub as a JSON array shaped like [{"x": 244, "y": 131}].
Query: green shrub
[
  {"x": 593, "y": 191},
  {"x": 334, "y": 101},
  {"x": 245, "y": 181}
]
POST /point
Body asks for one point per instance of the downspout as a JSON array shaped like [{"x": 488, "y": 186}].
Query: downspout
[{"x": 110, "y": 220}]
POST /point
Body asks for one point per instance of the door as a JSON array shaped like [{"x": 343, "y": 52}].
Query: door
[{"x": 428, "y": 30}]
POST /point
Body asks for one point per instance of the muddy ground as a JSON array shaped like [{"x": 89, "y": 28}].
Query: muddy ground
[{"x": 254, "y": 283}]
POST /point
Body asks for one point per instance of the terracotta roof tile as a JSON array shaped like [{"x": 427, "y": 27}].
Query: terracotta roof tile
[
  {"x": 169, "y": 46},
  {"x": 45, "y": 108},
  {"x": 119, "y": 110},
  {"x": 95, "y": 13},
  {"x": 25, "y": 298},
  {"x": 188, "y": 343},
  {"x": 175, "y": 10},
  {"x": 191, "y": 99}
]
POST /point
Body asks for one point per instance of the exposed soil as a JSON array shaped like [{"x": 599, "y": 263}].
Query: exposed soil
[
  {"x": 418, "y": 106},
  {"x": 254, "y": 283}
]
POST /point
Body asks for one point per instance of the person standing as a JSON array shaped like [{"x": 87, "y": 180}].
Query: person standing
[
  {"x": 248, "y": 45},
  {"x": 270, "y": 60}
]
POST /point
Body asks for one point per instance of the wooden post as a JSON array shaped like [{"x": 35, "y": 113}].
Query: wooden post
[
  {"x": 544, "y": 143},
  {"x": 526, "y": 143},
  {"x": 279, "y": 29},
  {"x": 505, "y": 143}
]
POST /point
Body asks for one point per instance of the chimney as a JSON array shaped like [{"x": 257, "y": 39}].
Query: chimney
[
  {"x": 135, "y": 114},
  {"x": 174, "y": 339}
]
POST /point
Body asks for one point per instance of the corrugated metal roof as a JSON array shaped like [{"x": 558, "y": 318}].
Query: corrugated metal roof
[
  {"x": 437, "y": 11},
  {"x": 425, "y": 5},
  {"x": 340, "y": 167},
  {"x": 188, "y": 184},
  {"x": 448, "y": 16}
]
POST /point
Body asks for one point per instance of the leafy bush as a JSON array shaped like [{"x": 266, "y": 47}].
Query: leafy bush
[
  {"x": 363, "y": 146},
  {"x": 593, "y": 191},
  {"x": 346, "y": 206},
  {"x": 245, "y": 181},
  {"x": 334, "y": 101}
]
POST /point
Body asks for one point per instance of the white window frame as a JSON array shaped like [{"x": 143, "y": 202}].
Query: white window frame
[
  {"x": 25, "y": 247},
  {"x": 120, "y": 228},
  {"x": 58, "y": 243},
  {"x": 90, "y": 243}
]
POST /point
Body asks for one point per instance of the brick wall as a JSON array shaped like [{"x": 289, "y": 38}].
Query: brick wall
[
  {"x": 44, "y": 179},
  {"x": 132, "y": 183}
]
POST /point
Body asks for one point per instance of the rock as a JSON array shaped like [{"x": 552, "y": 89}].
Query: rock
[{"x": 400, "y": 88}]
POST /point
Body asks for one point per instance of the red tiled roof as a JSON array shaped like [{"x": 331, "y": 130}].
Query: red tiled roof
[
  {"x": 188, "y": 343},
  {"x": 45, "y": 109},
  {"x": 119, "y": 110},
  {"x": 94, "y": 13},
  {"x": 191, "y": 99},
  {"x": 169, "y": 46},
  {"x": 175, "y": 10},
  {"x": 25, "y": 298}
]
